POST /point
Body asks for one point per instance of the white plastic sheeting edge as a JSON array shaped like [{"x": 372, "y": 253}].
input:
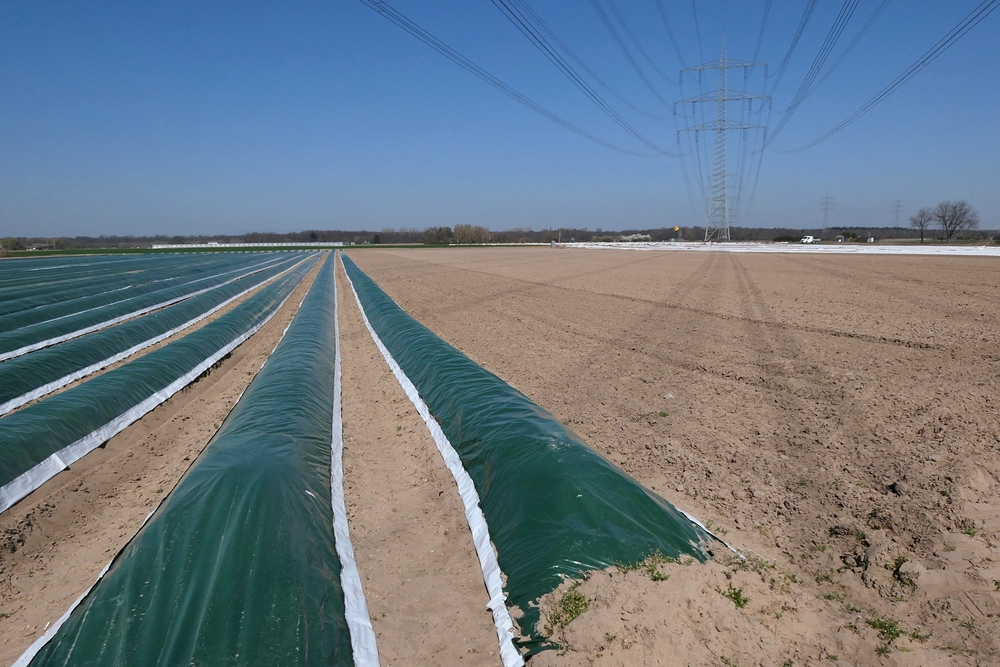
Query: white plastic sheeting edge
[
  {"x": 359, "y": 621},
  {"x": 26, "y": 482},
  {"x": 104, "y": 325},
  {"x": 50, "y": 387},
  {"x": 492, "y": 576},
  {"x": 824, "y": 249}
]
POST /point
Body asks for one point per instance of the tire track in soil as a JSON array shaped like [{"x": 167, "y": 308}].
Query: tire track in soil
[
  {"x": 413, "y": 547},
  {"x": 55, "y": 541}
]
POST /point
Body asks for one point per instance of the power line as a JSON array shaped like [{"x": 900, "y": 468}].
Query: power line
[
  {"x": 857, "y": 38},
  {"x": 968, "y": 23},
  {"x": 540, "y": 23},
  {"x": 522, "y": 23},
  {"x": 697, "y": 30},
  {"x": 430, "y": 40},
  {"x": 763, "y": 24},
  {"x": 599, "y": 9},
  {"x": 670, "y": 32},
  {"x": 806, "y": 14},
  {"x": 621, "y": 21},
  {"x": 836, "y": 30}
]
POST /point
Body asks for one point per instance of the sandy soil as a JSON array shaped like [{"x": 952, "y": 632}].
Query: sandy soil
[
  {"x": 413, "y": 547},
  {"x": 833, "y": 417},
  {"x": 55, "y": 542}
]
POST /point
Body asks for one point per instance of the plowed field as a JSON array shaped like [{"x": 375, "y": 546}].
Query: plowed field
[{"x": 835, "y": 418}]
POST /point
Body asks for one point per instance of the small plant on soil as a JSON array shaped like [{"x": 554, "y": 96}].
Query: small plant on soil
[
  {"x": 736, "y": 595},
  {"x": 650, "y": 565},
  {"x": 572, "y": 604},
  {"x": 971, "y": 532},
  {"x": 887, "y": 630},
  {"x": 664, "y": 413}
]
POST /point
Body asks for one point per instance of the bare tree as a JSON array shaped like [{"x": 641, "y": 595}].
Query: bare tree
[
  {"x": 954, "y": 216},
  {"x": 922, "y": 221}
]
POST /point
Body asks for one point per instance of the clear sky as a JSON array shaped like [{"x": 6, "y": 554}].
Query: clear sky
[{"x": 224, "y": 117}]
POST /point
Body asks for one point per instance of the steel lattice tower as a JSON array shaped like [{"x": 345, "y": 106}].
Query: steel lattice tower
[{"x": 717, "y": 228}]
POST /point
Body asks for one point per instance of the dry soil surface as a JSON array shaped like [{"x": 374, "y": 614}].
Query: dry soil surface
[
  {"x": 55, "y": 542},
  {"x": 833, "y": 417}
]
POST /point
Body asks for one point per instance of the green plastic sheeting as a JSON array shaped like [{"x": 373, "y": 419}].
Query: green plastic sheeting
[
  {"x": 35, "y": 334},
  {"x": 238, "y": 566},
  {"x": 555, "y": 508},
  {"x": 115, "y": 289},
  {"x": 34, "y": 291},
  {"x": 32, "y": 435},
  {"x": 38, "y": 369}
]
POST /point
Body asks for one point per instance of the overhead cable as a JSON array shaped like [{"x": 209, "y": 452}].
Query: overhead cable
[
  {"x": 522, "y": 23},
  {"x": 760, "y": 35},
  {"x": 430, "y": 40},
  {"x": 631, "y": 35},
  {"x": 540, "y": 23},
  {"x": 599, "y": 9},
  {"x": 836, "y": 30},
  {"x": 806, "y": 14},
  {"x": 670, "y": 33},
  {"x": 968, "y": 23}
]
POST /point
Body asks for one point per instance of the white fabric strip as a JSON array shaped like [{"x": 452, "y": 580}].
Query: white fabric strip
[
  {"x": 103, "y": 325},
  {"x": 359, "y": 622},
  {"x": 48, "y": 388},
  {"x": 509, "y": 654},
  {"x": 26, "y": 482}
]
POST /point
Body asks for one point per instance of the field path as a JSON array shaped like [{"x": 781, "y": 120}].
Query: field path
[{"x": 419, "y": 570}]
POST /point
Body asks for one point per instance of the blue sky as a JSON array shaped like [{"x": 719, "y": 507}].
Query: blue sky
[{"x": 224, "y": 117}]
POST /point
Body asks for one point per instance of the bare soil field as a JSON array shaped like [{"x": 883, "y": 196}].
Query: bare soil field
[
  {"x": 54, "y": 543},
  {"x": 835, "y": 418}
]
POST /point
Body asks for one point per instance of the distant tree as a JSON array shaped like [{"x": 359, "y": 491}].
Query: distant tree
[
  {"x": 377, "y": 239},
  {"x": 922, "y": 221},
  {"x": 955, "y": 216},
  {"x": 438, "y": 235},
  {"x": 11, "y": 244}
]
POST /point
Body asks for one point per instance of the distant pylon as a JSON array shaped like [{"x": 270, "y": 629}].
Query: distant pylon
[
  {"x": 826, "y": 205},
  {"x": 897, "y": 208},
  {"x": 717, "y": 227}
]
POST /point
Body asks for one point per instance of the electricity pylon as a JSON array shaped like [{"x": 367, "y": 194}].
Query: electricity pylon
[
  {"x": 717, "y": 228},
  {"x": 826, "y": 203}
]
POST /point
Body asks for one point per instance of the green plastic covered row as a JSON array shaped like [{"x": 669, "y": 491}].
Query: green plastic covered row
[
  {"x": 555, "y": 507},
  {"x": 238, "y": 566},
  {"x": 39, "y": 333},
  {"x": 33, "y": 290},
  {"x": 31, "y": 435},
  {"x": 15, "y": 274},
  {"x": 24, "y": 374},
  {"x": 117, "y": 291}
]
